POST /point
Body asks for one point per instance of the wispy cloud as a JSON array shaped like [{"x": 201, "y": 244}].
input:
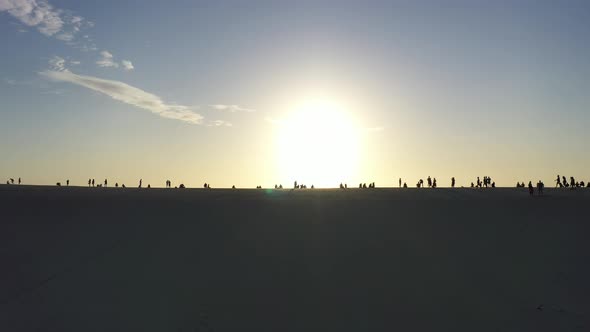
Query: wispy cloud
[
  {"x": 106, "y": 60},
  {"x": 123, "y": 92},
  {"x": 48, "y": 20},
  {"x": 219, "y": 123},
  {"x": 127, "y": 65},
  {"x": 231, "y": 108}
]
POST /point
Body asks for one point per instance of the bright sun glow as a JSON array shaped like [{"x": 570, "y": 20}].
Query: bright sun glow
[{"x": 317, "y": 144}]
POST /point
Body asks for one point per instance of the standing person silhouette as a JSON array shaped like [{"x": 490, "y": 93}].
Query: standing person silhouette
[
  {"x": 105, "y": 182},
  {"x": 140, "y": 181},
  {"x": 429, "y": 180},
  {"x": 453, "y": 182},
  {"x": 89, "y": 182},
  {"x": 531, "y": 189},
  {"x": 558, "y": 181},
  {"x": 19, "y": 180},
  {"x": 93, "y": 182},
  {"x": 400, "y": 182},
  {"x": 67, "y": 182}
]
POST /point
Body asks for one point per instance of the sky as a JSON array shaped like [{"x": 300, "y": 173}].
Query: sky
[{"x": 251, "y": 93}]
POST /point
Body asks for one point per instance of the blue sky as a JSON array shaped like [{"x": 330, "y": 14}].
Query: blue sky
[{"x": 192, "y": 90}]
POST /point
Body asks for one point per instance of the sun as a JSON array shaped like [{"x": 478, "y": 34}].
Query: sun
[{"x": 317, "y": 144}]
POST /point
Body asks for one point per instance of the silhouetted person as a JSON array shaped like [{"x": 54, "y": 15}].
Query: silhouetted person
[
  {"x": 140, "y": 182},
  {"x": 149, "y": 186},
  {"x": 531, "y": 189},
  {"x": 582, "y": 184},
  {"x": 18, "y": 180},
  {"x": 345, "y": 186},
  {"x": 400, "y": 182},
  {"x": 429, "y": 180},
  {"x": 493, "y": 184},
  {"x": 572, "y": 182},
  {"x": 453, "y": 182},
  {"x": 58, "y": 184},
  {"x": 181, "y": 186},
  {"x": 471, "y": 184},
  {"x": 93, "y": 182},
  {"x": 233, "y": 187},
  {"x": 564, "y": 181},
  {"x": 295, "y": 185},
  {"x": 360, "y": 185},
  {"x": 89, "y": 182},
  {"x": 68, "y": 182},
  {"x": 478, "y": 182},
  {"x": 123, "y": 185},
  {"x": 341, "y": 185},
  {"x": 434, "y": 183},
  {"x": 281, "y": 186},
  {"x": 105, "y": 182},
  {"x": 558, "y": 182},
  {"x": 364, "y": 186},
  {"x": 116, "y": 184},
  {"x": 11, "y": 181},
  {"x": 405, "y": 185}
]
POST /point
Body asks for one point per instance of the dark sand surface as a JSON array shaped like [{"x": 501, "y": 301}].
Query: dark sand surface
[{"x": 105, "y": 259}]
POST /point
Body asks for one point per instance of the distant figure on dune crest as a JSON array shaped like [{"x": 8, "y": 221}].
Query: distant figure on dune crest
[
  {"x": 68, "y": 182},
  {"x": 564, "y": 182},
  {"x": 434, "y": 183},
  {"x": 58, "y": 184},
  {"x": 123, "y": 185},
  {"x": 558, "y": 182},
  {"x": 181, "y": 186},
  {"x": 116, "y": 184},
  {"x": 471, "y": 184},
  {"x": 345, "y": 186},
  {"x": 11, "y": 181},
  {"x": 582, "y": 184},
  {"x": 233, "y": 187},
  {"x": 429, "y": 180},
  {"x": 341, "y": 185},
  {"x": 531, "y": 189},
  {"x": 405, "y": 185},
  {"x": 18, "y": 180},
  {"x": 312, "y": 187},
  {"x": 149, "y": 186},
  {"x": 540, "y": 186},
  {"x": 364, "y": 186},
  {"x": 295, "y": 185},
  {"x": 572, "y": 182},
  {"x": 140, "y": 182},
  {"x": 400, "y": 182},
  {"x": 493, "y": 184},
  {"x": 105, "y": 182},
  {"x": 89, "y": 182},
  {"x": 453, "y": 182},
  {"x": 93, "y": 182}
]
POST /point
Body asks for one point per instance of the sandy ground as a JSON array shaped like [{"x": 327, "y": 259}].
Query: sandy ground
[{"x": 102, "y": 259}]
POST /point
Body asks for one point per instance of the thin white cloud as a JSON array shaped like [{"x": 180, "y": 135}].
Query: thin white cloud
[
  {"x": 106, "y": 60},
  {"x": 127, "y": 65},
  {"x": 75, "y": 63},
  {"x": 219, "y": 123},
  {"x": 231, "y": 108},
  {"x": 57, "y": 63},
  {"x": 35, "y": 13},
  {"x": 125, "y": 93}
]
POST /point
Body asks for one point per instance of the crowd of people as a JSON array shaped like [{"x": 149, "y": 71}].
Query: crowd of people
[{"x": 484, "y": 182}]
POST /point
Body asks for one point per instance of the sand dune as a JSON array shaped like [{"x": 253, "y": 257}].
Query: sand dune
[{"x": 105, "y": 259}]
